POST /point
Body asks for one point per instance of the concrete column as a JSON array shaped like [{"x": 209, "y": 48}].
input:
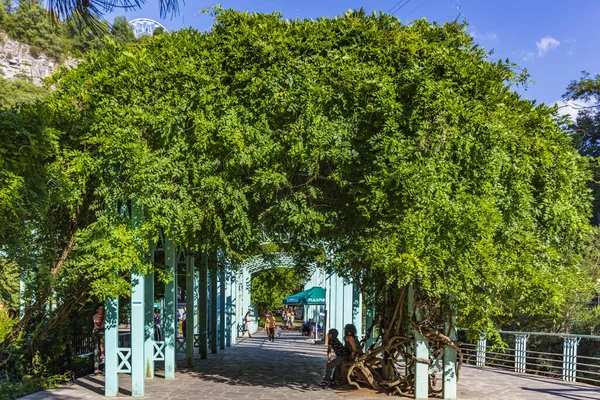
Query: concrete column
[
  {"x": 111, "y": 343},
  {"x": 213, "y": 304},
  {"x": 189, "y": 305},
  {"x": 203, "y": 306},
  {"x": 170, "y": 308},
  {"x": 570, "y": 345},
  {"x": 521, "y": 352},
  {"x": 481, "y": 350}
]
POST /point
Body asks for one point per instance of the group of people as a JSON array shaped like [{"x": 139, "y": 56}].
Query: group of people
[
  {"x": 270, "y": 323},
  {"x": 343, "y": 352},
  {"x": 312, "y": 329},
  {"x": 287, "y": 316}
]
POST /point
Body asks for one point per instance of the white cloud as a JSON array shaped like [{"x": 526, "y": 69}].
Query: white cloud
[
  {"x": 482, "y": 35},
  {"x": 546, "y": 45},
  {"x": 525, "y": 55},
  {"x": 570, "y": 43},
  {"x": 571, "y": 108}
]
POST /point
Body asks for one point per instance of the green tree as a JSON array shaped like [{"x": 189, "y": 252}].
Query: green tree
[
  {"x": 9, "y": 285},
  {"x": 271, "y": 286},
  {"x": 32, "y": 24},
  {"x": 20, "y": 91},
  {"x": 586, "y": 127},
  {"x": 403, "y": 148},
  {"x": 121, "y": 31}
]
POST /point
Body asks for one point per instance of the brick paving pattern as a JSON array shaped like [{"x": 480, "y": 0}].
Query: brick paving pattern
[{"x": 292, "y": 367}]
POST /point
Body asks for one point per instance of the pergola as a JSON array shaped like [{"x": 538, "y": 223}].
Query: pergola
[{"x": 217, "y": 296}]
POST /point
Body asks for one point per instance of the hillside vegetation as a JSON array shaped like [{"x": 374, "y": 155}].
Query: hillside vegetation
[{"x": 29, "y": 22}]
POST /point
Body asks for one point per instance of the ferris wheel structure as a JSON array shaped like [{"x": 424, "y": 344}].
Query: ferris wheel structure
[{"x": 145, "y": 26}]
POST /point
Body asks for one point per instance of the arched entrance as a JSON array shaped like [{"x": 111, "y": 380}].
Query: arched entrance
[{"x": 343, "y": 299}]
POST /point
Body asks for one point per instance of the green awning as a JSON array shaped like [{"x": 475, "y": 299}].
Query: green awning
[{"x": 314, "y": 296}]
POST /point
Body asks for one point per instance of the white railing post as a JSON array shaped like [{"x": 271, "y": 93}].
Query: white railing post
[
  {"x": 569, "y": 369},
  {"x": 521, "y": 352},
  {"x": 481, "y": 345}
]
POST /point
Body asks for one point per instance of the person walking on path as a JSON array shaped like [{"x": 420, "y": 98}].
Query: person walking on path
[
  {"x": 184, "y": 321},
  {"x": 338, "y": 349},
  {"x": 98, "y": 333},
  {"x": 247, "y": 324},
  {"x": 270, "y": 326},
  {"x": 292, "y": 315}
]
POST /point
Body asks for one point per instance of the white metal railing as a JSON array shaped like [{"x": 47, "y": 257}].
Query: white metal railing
[{"x": 571, "y": 357}]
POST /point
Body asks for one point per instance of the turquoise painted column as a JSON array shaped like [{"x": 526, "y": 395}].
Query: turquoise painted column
[
  {"x": 203, "y": 306},
  {"x": 332, "y": 305},
  {"x": 420, "y": 370},
  {"x": 137, "y": 334},
  {"x": 348, "y": 303},
  {"x": 241, "y": 308},
  {"x": 138, "y": 317},
  {"x": 189, "y": 305},
  {"x": 213, "y": 303},
  {"x": 111, "y": 343},
  {"x": 449, "y": 373},
  {"x": 357, "y": 309},
  {"x": 170, "y": 308},
  {"x": 233, "y": 310},
  {"x": 149, "y": 323},
  {"x": 339, "y": 304},
  {"x": 222, "y": 332},
  {"x": 245, "y": 305},
  {"x": 229, "y": 283}
]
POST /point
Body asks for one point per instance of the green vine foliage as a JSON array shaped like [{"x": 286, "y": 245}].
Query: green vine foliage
[{"x": 406, "y": 146}]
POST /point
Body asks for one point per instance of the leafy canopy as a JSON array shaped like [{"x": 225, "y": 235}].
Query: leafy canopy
[
  {"x": 271, "y": 286},
  {"x": 403, "y": 145}
]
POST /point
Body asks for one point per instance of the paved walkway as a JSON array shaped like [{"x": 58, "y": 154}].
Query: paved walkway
[{"x": 292, "y": 367}]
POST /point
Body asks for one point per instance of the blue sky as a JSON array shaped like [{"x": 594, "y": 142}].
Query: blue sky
[{"x": 555, "y": 40}]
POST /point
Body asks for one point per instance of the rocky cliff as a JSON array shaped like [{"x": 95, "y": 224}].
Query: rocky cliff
[{"x": 16, "y": 61}]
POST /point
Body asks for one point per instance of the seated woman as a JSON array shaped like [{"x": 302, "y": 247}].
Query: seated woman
[{"x": 351, "y": 343}]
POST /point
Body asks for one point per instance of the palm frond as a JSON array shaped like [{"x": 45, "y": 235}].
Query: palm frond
[{"x": 95, "y": 9}]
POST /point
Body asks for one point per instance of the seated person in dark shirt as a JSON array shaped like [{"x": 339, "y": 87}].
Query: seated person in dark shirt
[
  {"x": 306, "y": 327},
  {"x": 340, "y": 356},
  {"x": 351, "y": 343}
]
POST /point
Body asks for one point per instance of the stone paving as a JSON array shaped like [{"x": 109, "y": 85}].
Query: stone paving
[{"x": 292, "y": 367}]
